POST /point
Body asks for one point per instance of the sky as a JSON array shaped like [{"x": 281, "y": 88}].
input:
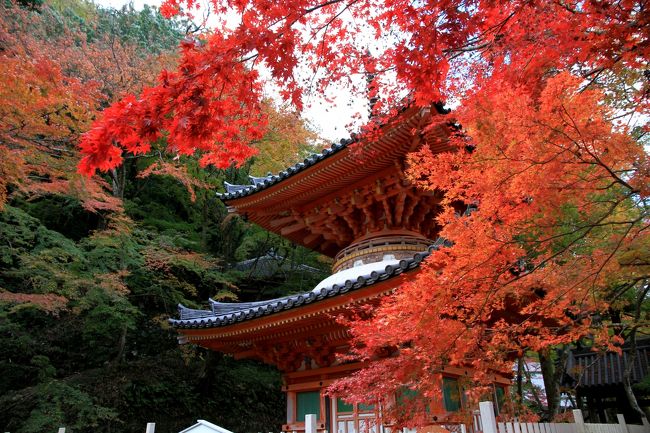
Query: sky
[{"x": 328, "y": 119}]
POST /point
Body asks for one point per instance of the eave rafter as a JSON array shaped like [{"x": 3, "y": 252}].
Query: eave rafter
[{"x": 385, "y": 203}]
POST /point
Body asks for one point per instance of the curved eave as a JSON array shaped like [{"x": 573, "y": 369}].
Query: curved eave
[
  {"x": 285, "y": 174},
  {"x": 308, "y": 180}
]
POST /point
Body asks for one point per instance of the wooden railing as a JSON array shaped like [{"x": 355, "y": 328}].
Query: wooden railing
[{"x": 380, "y": 244}]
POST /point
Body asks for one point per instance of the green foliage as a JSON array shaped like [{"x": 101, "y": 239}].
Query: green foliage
[
  {"x": 253, "y": 390},
  {"x": 109, "y": 358},
  {"x": 34, "y": 258},
  {"x": 643, "y": 387},
  {"x": 105, "y": 316},
  {"x": 106, "y": 360},
  {"x": 85, "y": 297},
  {"x": 31, "y": 4},
  {"x": 145, "y": 28},
  {"x": 64, "y": 405}
]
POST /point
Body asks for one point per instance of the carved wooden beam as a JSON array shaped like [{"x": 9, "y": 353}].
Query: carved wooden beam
[
  {"x": 285, "y": 231},
  {"x": 282, "y": 221},
  {"x": 338, "y": 229},
  {"x": 411, "y": 203},
  {"x": 429, "y": 226},
  {"x": 311, "y": 239},
  {"x": 315, "y": 217},
  {"x": 331, "y": 245},
  {"x": 371, "y": 221},
  {"x": 388, "y": 212},
  {"x": 353, "y": 223},
  {"x": 418, "y": 216},
  {"x": 399, "y": 207}
]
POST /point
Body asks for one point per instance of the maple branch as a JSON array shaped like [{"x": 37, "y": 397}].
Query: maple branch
[
  {"x": 614, "y": 250},
  {"x": 577, "y": 154},
  {"x": 322, "y": 5},
  {"x": 577, "y": 229},
  {"x": 495, "y": 287},
  {"x": 39, "y": 142},
  {"x": 594, "y": 156},
  {"x": 112, "y": 45},
  {"x": 573, "y": 242},
  {"x": 566, "y": 7},
  {"x": 466, "y": 49},
  {"x": 594, "y": 274},
  {"x": 628, "y": 326},
  {"x": 322, "y": 42},
  {"x": 470, "y": 45},
  {"x": 626, "y": 287},
  {"x": 331, "y": 20},
  {"x": 250, "y": 57}
]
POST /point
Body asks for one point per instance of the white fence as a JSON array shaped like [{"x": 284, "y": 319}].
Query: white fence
[{"x": 486, "y": 423}]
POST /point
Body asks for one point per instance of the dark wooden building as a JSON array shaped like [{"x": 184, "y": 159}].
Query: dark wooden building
[{"x": 598, "y": 381}]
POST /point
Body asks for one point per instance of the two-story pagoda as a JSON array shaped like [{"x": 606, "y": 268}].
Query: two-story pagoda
[{"x": 351, "y": 203}]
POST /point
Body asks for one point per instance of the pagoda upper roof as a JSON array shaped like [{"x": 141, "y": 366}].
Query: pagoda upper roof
[
  {"x": 257, "y": 184},
  {"x": 226, "y": 313},
  {"x": 350, "y": 190}
]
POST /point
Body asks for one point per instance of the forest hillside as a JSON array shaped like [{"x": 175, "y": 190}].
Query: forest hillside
[{"x": 91, "y": 269}]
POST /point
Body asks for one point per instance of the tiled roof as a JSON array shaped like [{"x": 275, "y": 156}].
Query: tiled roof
[
  {"x": 260, "y": 183},
  {"x": 223, "y": 314},
  {"x": 588, "y": 368},
  {"x": 271, "y": 264}
]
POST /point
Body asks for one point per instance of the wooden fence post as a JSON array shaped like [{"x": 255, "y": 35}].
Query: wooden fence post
[
  {"x": 580, "y": 421},
  {"x": 151, "y": 427},
  {"x": 487, "y": 417},
  {"x": 310, "y": 423}
]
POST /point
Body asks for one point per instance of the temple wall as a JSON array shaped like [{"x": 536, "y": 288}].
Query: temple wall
[{"x": 307, "y": 394}]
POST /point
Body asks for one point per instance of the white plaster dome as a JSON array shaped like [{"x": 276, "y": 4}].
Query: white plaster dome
[{"x": 359, "y": 269}]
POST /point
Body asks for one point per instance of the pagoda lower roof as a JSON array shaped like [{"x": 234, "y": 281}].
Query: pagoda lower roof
[{"x": 225, "y": 313}]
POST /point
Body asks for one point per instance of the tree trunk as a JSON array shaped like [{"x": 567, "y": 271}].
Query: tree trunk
[
  {"x": 121, "y": 345},
  {"x": 631, "y": 359},
  {"x": 551, "y": 383},
  {"x": 529, "y": 380},
  {"x": 117, "y": 182},
  {"x": 520, "y": 379},
  {"x": 204, "y": 221}
]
